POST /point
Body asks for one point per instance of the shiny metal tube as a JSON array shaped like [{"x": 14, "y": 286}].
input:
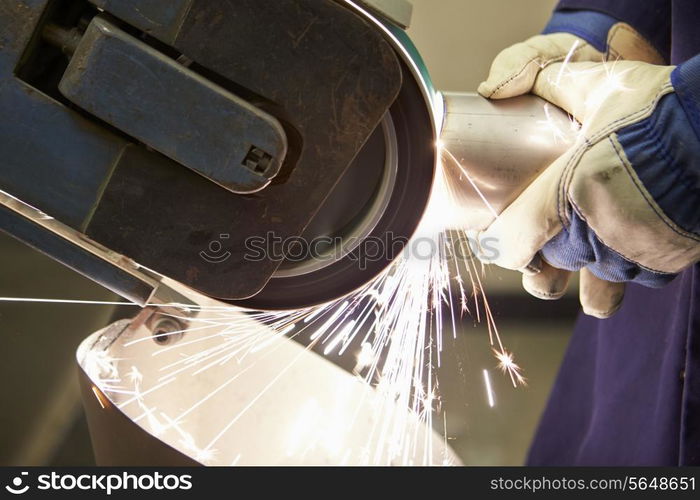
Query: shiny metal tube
[{"x": 499, "y": 147}]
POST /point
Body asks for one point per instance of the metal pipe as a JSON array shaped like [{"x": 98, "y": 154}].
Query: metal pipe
[{"x": 499, "y": 147}]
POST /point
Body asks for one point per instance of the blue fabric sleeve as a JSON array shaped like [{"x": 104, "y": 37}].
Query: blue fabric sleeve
[
  {"x": 686, "y": 81},
  {"x": 665, "y": 153},
  {"x": 589, "y": 25},
  {"x": 577, "y": 246},
  {"x": 652, "y": 18}
]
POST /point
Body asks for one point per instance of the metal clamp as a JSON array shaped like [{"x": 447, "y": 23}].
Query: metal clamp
[{"x": 174, "y": 110}]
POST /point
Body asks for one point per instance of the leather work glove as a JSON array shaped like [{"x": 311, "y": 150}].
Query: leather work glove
[
  {"x": 570, "y": 35},
  {"x": 623, "y": 203}
]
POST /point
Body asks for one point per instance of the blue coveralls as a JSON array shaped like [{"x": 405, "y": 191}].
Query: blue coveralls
[{"x": 628, "y": 392}]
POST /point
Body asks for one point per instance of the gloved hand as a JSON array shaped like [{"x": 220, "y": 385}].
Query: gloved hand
[
  {"x": 623, "y": 203},
  {"x": 581, "y": 35}
]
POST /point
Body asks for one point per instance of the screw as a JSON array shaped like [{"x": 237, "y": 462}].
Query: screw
[{"x": 257, "y": 160}]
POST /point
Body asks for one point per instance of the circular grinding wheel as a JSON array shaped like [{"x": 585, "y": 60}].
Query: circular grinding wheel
[{"x": 374, "y": 210}]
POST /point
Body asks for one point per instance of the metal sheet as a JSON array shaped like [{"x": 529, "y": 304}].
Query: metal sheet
[
  {"x": 274, "y": 404},
  {"x": 54, "y": 239}
]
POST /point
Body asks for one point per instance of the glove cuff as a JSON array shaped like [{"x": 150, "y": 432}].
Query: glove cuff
[{"x": 589, "y": 25}]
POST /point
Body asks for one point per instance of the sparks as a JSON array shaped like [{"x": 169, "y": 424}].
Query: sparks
[
  {"x": 509, "y": 367},
  {"x": 489, "y": 390}
]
